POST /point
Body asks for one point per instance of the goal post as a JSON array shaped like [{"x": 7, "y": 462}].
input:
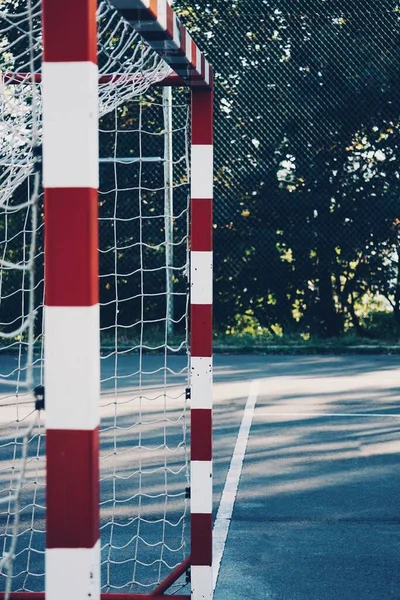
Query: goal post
[{"x": 70, "y": 79}]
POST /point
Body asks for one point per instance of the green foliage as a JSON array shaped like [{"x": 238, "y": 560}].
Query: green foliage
[
  {"x": 307, "y": 154},
  {"x": 382, "y": 325}
]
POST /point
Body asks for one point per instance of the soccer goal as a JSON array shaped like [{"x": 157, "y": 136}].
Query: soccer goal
[{"x": 105, "y": 303}]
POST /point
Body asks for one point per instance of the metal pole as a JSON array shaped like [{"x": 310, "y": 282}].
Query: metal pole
[{"x": 168, "y": 208}]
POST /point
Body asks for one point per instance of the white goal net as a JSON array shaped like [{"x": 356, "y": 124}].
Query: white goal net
[
  {"x": 144, "y": 308},
  {"x": 143, "y": 225}
]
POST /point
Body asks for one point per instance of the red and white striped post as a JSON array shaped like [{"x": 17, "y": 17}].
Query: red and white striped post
[
  {"x": 201, "y": 343},
  {"x": 72, "y": 376}
]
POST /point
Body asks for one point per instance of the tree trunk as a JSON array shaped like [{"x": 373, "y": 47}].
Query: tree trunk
[
  {"x": 355, "y": 320},
  {"x": 330, "y": 322},
  {"x": 397, "y": 291}
]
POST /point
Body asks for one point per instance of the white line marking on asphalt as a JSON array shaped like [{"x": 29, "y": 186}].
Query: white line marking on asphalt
[
  {"x": 224, "y": 515},
  {"x": 322, "y": 415}
]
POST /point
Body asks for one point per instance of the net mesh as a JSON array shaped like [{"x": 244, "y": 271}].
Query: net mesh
[
  {"x": 143, "y": 206},
  {"x": 144, "y": 462},
  {"x": 127, "y": 68}
]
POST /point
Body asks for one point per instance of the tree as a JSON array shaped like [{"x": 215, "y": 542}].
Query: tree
[{"x": 305, "y": 91}]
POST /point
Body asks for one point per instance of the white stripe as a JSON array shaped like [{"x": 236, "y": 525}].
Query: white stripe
[
  {"x": 70, "y": 125},
  {"x": 201, "y": 277},
  {"x": 325, "y": 415},
  {"x": 73, "y": 573},
  {"x": 207, "y": 72},
  {"x": 201, "y": 491},
  {"x": 224, "y": 515},
  {"x": 201, "y": 382},
  {"x": 162, "y": 14},
  {"x": 72, "y": 374},
  {"x": 198, "y": 60},
  {"x": 201, "y": 582},
  {"x": 188, "y": 47},
  {"x": 202, "y": 171},
  {"x": 177, "y": 33}
]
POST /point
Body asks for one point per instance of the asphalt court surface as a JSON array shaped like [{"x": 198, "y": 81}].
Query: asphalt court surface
[{"x": 317, "y": 511}]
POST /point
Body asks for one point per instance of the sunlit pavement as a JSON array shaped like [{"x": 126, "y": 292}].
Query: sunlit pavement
[{"x": 317, "y": 514}]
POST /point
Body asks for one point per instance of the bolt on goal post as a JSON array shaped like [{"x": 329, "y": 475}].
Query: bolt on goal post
[{"x": 71, "y": 102}]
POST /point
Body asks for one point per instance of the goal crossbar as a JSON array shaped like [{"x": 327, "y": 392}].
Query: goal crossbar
[{"x": 161, "y": 28}]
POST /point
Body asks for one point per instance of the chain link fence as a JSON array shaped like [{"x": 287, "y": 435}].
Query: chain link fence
[
  {"x": 143, "y": 233},
  {"x": 307, "y": 211},
  {"x": 307, "y": 165}
]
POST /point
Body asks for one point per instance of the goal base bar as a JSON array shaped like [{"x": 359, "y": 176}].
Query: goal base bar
[
  {"x": 156, "y": 594},
  {"x": 42, "y": 596}
]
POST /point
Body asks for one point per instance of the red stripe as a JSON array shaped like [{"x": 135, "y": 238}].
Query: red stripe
[
  {"x": 106, "y": 596},
  {"x": 71, "y": 246},
  {"x": 194, "y": 55},
  {"x": 201, "y": 539},
  {"x": 170, "y": 21},
  {"x": 183, "y": 38},
  {"x": 211, "y": 77},
  {"x": 201, "y": 330},
  {"x": 202, "y": 116},
  {"x": 24, "y": 595},
  {"x": 195, "y": 76},
  {"x": 72, "y": 488},
  {"x": 201, "y": 434},
  {"x": 172, "y": 578},
  {"x": 147, "y": 17},
  {"x": 154, "y": 8},
  {"x": 172, "y": 80},
  {"x": 142, "y": 597},
  {"x": 70, "y": 34},
  {"x": 201, "y": 232}
]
